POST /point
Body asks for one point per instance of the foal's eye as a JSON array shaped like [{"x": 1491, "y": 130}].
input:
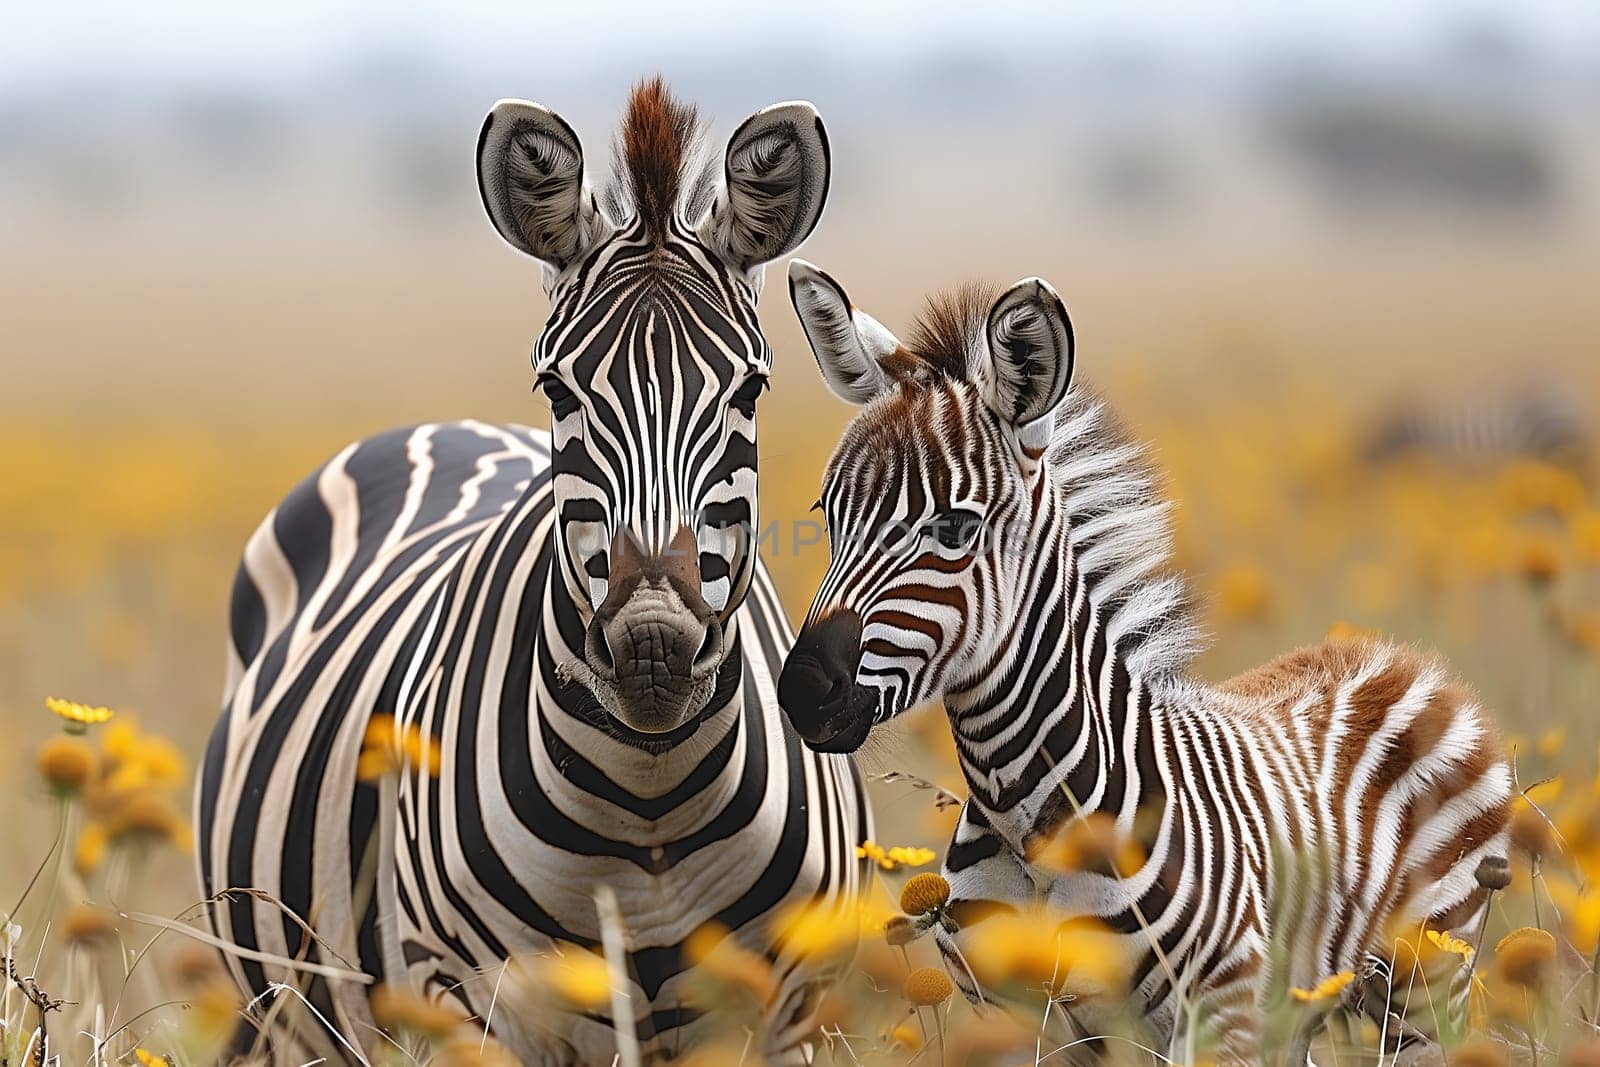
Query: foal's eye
[
  {"x": 957, "y": 528},
  {"x": 563, "y": 401}
]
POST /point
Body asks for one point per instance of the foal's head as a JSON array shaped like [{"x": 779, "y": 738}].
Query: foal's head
[{"x": 929, "y": 498}]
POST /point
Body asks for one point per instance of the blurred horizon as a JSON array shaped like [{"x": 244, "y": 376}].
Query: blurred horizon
[{"x": 233, "y": 164}]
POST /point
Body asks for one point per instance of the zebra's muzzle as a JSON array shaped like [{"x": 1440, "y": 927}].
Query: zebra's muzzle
[
  {"x": 818, "y": 690},
  {"x": 654, "y": 645}
]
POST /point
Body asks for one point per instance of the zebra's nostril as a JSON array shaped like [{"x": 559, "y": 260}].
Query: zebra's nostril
[
  {"x": 838, "y": 691},
  {"x": 709, "y": 654},
  {"x": 598, "y": 649},
  {"x": 802, "y": 685}
]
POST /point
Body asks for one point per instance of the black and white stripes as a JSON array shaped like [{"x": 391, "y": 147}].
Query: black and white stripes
[
  {"x": 461, "y": 577},
  {"x": 997, "y": 542}
]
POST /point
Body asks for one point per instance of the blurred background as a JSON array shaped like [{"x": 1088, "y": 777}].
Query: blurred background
[{"x": 1337, "y": 262}]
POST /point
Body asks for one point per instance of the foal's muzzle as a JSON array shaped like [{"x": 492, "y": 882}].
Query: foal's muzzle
[{"x": 818, "y": 690}]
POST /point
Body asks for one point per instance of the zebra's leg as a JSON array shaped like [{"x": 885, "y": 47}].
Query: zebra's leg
[
  {"x": 1236, "y": 1026},
  {"x": 1429, "y": 999},
  {"x": 986, "y": 877},
  {"x": 1391, "y": 1000},
  {"x": 1231, "y": 1005}
]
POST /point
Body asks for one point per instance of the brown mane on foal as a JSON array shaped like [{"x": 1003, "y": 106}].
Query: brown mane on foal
[{"x": 946, "y": 333}]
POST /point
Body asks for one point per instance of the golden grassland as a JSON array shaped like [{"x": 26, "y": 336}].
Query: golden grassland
[
  {"x": 1500, "y": 566},
  {"x": 123, "y": 521}
]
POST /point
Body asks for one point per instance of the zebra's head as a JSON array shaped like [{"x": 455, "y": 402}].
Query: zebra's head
[
  {"x": 929, "y": 499},
  {"x": 652, "y": 361}
]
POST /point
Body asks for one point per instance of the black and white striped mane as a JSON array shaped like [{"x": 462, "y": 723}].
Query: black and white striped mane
[
  {"x": 1121, "y": 534},
  {"x": 1120, "y": 518}
]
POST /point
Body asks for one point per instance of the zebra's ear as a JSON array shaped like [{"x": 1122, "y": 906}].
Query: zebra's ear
[
  {"x": 1030, "y": 353},
  {"x": 530, "y": 175},
  {"x": 850, "y": 345},
  {"x": 775, "y": 180}
]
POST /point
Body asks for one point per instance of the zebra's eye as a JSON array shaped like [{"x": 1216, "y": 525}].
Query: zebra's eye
[
  {"x": 563, "y": 401},
  {"x": 744, "y": 397},
  {"x": 956, "y": 529}
]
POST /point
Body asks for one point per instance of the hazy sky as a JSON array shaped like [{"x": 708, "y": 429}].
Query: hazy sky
[{"x": 279, "y": 39}]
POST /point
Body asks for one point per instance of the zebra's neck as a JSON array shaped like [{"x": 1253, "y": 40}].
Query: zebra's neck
[{"x": 1056, "y": 723}]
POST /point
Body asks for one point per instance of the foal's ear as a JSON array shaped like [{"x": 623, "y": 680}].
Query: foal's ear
[
  {"x": 849, "y": 344},
  {"x": 775, "y": 180},
  {"x": 1029, "y": 364},
  {"x": 530, "y": 175}
]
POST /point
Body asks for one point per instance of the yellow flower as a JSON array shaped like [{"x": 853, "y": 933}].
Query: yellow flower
[
  {"x": 1326, "y": 989},
  {"x": 1539, "y": 558},
  {"x": 148, "y": 813},
  {"x": 194, "y": 965},
  {"x": 924, "y": 892},
  {"x": 85, "y": 923},
  {"x": 1586, "y": 535},
  {"x": 399, "y": 1008},
  {"x": 140, "y": 761},
  {"x": 474, "y": 1051},
  {"x": 1524, "y": 956},
  {"x": 1532, "y": 486},
  {"x": 389, "y": 748},
  {"x": 1582, "y": 912},
  {"x": 894, "y": 858},
  {"x": 214, "y": 1008},
  {"x": 150, "y": 1059},
  {"x": 1091, "y": 845},
  {"x": 820, "y": 927},
  {"x": 815, "y": 929},
  {"x": 577, "y": 976},
  {"x": 907, "y": 856},
  {"x": 1530, "y": 831},
  {"x": 927, "y": 986},
  {"x": 1446, "y": 943},
  {"x": 905, "y": 1037},
  {"x": 717, "y": 953},
  {"x": 68, "y": 764},
  {"x": 90, "y": 849},
  {"x": 1035, "y": 947},
  {"x": 77, "y": 715},
  {"x": 121, "y": 738}
]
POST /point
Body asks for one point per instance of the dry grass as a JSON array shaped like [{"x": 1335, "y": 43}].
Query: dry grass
[{"x": 126, "y": 503}]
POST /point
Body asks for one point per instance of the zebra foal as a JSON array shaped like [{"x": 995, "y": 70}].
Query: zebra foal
[
  {"x": 999, "y": 543},
  {"x": 576, "y": 623}
]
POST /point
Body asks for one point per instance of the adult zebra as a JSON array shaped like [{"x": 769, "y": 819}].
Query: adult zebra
[
  {"x": 578, "y": 623},
  {"x": 997, "y": 542}
]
